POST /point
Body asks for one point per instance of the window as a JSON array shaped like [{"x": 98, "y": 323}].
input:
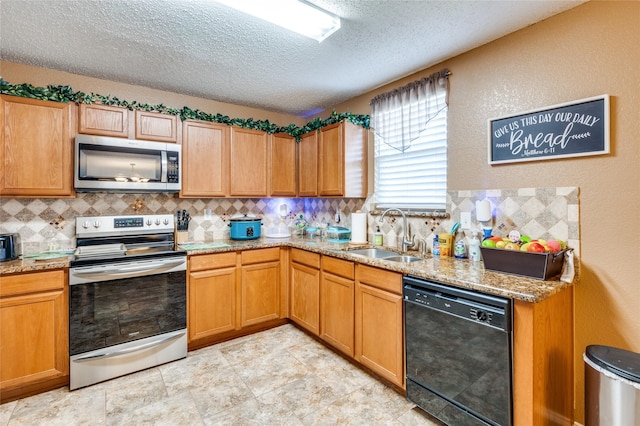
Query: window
[{"x": 410, "y": 128}]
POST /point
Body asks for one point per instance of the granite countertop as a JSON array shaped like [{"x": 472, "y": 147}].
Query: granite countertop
[{"x": 448, "y": 270}]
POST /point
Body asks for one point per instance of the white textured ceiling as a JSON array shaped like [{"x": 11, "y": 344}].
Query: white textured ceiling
[{"x": 208, "y": 50}]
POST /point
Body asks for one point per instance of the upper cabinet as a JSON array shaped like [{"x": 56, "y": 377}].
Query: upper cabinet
[
  {"x": 36, "y": 147},
  {"x": 156, "y": 127},
  {"x": 283, "y": 165},
  {"x": 308, "y": 165},
  {"x": 342, "y": 161},
  {"x": 205, "y": 159},
  {"x": 105, "y": 120},
  {"x": 249, "y": 161}
]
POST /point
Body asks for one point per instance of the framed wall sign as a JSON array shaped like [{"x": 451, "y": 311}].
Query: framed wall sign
[{"x": 572, "y": 129}]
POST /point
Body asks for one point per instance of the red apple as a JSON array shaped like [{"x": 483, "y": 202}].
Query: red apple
[{"x": 536, "y": 247}]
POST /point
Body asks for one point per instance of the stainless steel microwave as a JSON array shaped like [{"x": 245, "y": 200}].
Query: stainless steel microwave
[{"x": 126, "y": 165}]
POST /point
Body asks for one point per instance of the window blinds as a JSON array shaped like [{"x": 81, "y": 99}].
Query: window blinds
[{"x": 417, "y": 177}]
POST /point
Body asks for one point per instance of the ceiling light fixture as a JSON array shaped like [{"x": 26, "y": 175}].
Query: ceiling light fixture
[{"x": 294, "y": 15}]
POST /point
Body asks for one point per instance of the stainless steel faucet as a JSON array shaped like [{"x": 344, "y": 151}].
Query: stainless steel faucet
[{"x": 406, "y": 243}]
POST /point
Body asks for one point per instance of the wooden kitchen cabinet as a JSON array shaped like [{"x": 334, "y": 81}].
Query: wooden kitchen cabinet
[
  {"x": 107, "y": 120},
  {"x": 283, "y": 165},
  {"x": 342, "y": 161},
  {"x": 205, "y": 159},
  {"x": 103, "y": 120},
  {"x": 543, "y": 363},
  {"x": 155, "y": 126},
  {"x": 308, "y": 165},
  {"x": 304, "y": 290},
  {"x": 36, "y": 148},
  {"x": 260, "y": 296},
  {"x": 229, "y": 293},
  {"x": 34, "y": 331},
  {"x": 337, "y": 303},
  {"x": 212, "y": 282},
  {"x": 249, "y": 163},
  {"x": 379, "y": 335}
]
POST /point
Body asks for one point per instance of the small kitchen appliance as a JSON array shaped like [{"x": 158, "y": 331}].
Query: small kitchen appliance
[
  {"x": 126, "y": 165},
  {"x": 127, "y": 297},
  {"x": 9, "y": 244},
  {"x": 245, "y": 227}
]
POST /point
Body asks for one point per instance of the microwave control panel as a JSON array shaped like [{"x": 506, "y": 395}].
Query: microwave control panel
[{"x": 173, "y": 167}]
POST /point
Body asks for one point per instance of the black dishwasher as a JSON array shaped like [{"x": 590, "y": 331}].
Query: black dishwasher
[{"x": 459, "y": 353}]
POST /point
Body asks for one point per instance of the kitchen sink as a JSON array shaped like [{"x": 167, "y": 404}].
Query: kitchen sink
[
  {"x": 374, "y": 252},
  {"x": 403, "y": 259}
]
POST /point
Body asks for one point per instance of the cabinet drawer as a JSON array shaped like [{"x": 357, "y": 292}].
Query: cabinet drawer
[
  {"x": 212, "y": 261},
  {"x": 380, "y": 278},
  {"x": 342, "y": 268},
  {"x": 32, "y": 282},
  {"x": 260, "y": 255},
  {"x": 305, "y": 258}
]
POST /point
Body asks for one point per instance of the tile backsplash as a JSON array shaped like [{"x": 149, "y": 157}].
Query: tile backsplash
[
  {"x": 538, "y": 212},
  {"x": 39, "y": 220}
]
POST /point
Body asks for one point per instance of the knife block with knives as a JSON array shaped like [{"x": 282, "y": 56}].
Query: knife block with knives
[{"x": 181, "y": 233}]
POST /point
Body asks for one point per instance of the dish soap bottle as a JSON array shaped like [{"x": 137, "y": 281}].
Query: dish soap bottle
[
  {"x": 436, "y": 246},
  {"x": 377, "y": 237},
  {"x": 474, "y": 247},
  {"x": 460, "y": 248}
]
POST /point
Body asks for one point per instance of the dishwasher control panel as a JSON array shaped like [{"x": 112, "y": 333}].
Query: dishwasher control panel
[{"x": 478, "y": 307}]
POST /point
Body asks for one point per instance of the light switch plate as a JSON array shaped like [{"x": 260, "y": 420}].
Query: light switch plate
[
  {"x": 207, "y": 214},
  {"x": 465, "y": 220}
]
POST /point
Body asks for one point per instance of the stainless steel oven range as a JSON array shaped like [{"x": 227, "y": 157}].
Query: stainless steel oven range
[
  {"x": 127, "y": 297},
  {"x": 459, "y": 352}
]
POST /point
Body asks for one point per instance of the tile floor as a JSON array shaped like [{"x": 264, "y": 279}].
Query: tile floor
[{"x": 277, "y": 377}]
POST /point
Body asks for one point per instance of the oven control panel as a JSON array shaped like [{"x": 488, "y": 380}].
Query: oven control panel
[{"x": 92, "y": 226}]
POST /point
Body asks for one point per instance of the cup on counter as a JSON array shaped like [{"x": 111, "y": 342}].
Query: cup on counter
[{"x": 446, "y": 243}]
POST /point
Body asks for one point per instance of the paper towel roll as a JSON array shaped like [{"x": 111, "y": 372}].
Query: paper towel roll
[{"x": 358, "y": 227}]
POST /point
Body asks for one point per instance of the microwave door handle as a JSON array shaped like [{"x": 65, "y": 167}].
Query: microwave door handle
[{"x": 164, "y": 166}]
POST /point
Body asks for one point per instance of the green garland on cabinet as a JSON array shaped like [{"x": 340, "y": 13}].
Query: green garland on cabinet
[{"x": 66, "y": 94}]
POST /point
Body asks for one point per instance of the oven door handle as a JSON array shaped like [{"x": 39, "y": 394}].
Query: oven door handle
[
  {"x": 128, "y": 350},
  {"x": 115, "y": 270}
]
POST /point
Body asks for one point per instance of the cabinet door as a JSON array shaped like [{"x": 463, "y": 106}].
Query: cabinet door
[
  {"x": 249, "y": 163},
  {"x": 33, "y": 330},
  {"x": 337, "y": 312},
  {"x": 155, "y": 126},
  {"x": 260, "y": 293},
  {"x": 378, "y": 323},
  {"x": 283, "y": 165},
  {"x": 305, "y": 297},
  {"x": 205, "y": 159},
  {"x": 212, "y": 302},
  {"x": 104, "y": 120},
  {"x": 308, "y": 165},
  {"x": 331, "y": 162},
  {"x": 36, "y": 148}
]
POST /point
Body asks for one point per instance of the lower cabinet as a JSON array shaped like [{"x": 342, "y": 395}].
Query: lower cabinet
[
  {"x": 34, "y": 333},
  {"x": 230, "y": 291},
  {"x": 304, "y": 290},
  {"x": 260, "y": 284},
  {"x": 337, "y": 303},
  {"x": 379, "y": 342}
]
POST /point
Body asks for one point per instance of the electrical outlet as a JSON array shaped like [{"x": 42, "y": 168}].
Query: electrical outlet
[
  {"x": 207, "y": 214},
  {"x": 465, "y": 220}
]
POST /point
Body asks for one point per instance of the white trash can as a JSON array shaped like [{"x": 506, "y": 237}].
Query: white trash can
[{"x": 612, "y": 387}]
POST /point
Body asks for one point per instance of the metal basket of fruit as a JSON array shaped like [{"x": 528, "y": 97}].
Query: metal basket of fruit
[{"x": 520, "y": 255}]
